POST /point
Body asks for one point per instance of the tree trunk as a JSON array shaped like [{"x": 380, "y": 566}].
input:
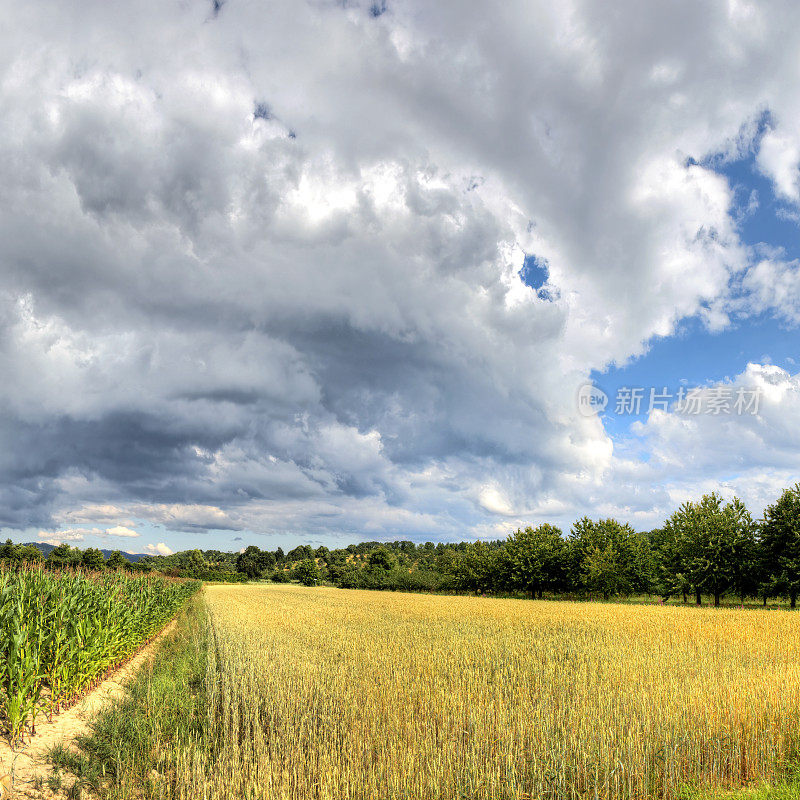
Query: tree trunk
[
  {"x": 698, "y": 597},
  {"x": 685, "y": 598},
  {"x": 793, "y": 599},
  {"x": 540, "y": 594},
  {"x": 765, "y": 600},
  {"x": 716, "y": 599}
]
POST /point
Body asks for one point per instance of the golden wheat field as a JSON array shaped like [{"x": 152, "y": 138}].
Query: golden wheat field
[{"x": 328, "y": 693}]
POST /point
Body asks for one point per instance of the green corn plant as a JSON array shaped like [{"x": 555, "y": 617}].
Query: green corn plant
[{"x": 61, "y": 632}]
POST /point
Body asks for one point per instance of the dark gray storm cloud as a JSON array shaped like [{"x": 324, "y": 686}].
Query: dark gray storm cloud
[{"x": 260, "y": 265}]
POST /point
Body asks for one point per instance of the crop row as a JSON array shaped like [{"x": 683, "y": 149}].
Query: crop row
[{"x": 60, "y": 632}]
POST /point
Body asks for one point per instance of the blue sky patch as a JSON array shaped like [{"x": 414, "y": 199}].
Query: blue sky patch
[
  {"x": 534, "y": 272},
  {"x": 695, "y": 356}
]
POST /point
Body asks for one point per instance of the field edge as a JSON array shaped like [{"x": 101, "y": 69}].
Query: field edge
[{"x": 135, "y": 743}]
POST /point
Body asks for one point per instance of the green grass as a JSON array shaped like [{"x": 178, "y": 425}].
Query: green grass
[
  {"x": 786, "y": 791},
  {"x": 134, "y": 744},
  {"x": 789, "y": 790}
]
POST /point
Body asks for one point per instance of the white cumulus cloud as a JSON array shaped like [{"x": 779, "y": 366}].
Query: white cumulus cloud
[
  {"x": 159, "y": 549},
  {"x": 121, "y": 530},
  {"x": 245, "y": 286}
]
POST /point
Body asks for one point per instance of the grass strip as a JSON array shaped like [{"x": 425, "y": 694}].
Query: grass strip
[
  {"x": 789, "y": 790},
  {"x": 137, "y": 745}
]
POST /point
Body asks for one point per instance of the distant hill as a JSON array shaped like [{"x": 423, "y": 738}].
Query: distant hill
[{"x": 46, "y": 548}]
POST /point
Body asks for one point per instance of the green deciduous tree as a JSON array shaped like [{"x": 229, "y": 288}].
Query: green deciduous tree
[
  {"x": 535, "y": 560},
  {"x": 117, "y": 561},
  {"x": 602, "y": 571},
  {"x": 20, "y": 553},
  {"x": 780, "y": 543},
  {"x": 608, "y": 557},
  {"x": 747, "y": 562},
  {"x": 668, "y": 575},
  {"x": 300, "y": 553},
  {"x": 249, "y": 562},
  {"x": 713, "y": 547},
  {"x": 474, "y": 569},
  {"x": 63, "y": 556},
  {"x": 308, "y": 572},
  {"x": 381, "y": 559},
  {"x": 93, "y": 559}
]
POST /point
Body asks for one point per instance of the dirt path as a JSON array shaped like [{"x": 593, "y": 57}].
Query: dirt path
[{"x": 28, "y": 762}]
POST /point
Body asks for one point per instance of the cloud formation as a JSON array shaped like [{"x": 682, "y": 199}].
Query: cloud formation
[
  {"x": 122, "y": 531},
  {"x": 80, "y": 534},
  {"x": 159, "y": 549},
  {"x": 260, "y": 269}
]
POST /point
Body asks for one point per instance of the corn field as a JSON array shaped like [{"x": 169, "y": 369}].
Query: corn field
[
  {"x": 322, "y": 693},
  {"x": 61, "y": 632}
]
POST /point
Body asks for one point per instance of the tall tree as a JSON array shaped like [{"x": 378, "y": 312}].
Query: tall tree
[
  {"x": 474, "y": 569},
  {"x": 250, "y": 562},
  {"x": 64, "y": 555},
  {"x": 308, "y": 572},
  {"x": 715, "y": 547},
  {"x": 117, "y": 561},
  {"x": 747, "y": 562},
  {"x": 194, "y": 562},
  {"x": 668, "y": 569},
  {"x": 609, "y": 557},
  {"x": 535, "y": 560},
  {"x": 780, "y": 541},
  {"x": 93, "y": 559},
  {"x": 8, "y": 551},
  {"x": 602, "y": 572}
]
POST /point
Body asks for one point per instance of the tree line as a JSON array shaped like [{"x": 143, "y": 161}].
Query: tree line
[
  {"x": 210, "y": 565},
  {"x": 706, "y": 548},
  {"x": 90, "y": 559}
]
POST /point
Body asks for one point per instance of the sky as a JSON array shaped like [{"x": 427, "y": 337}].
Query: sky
[{"x": 322, "y": 272}]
